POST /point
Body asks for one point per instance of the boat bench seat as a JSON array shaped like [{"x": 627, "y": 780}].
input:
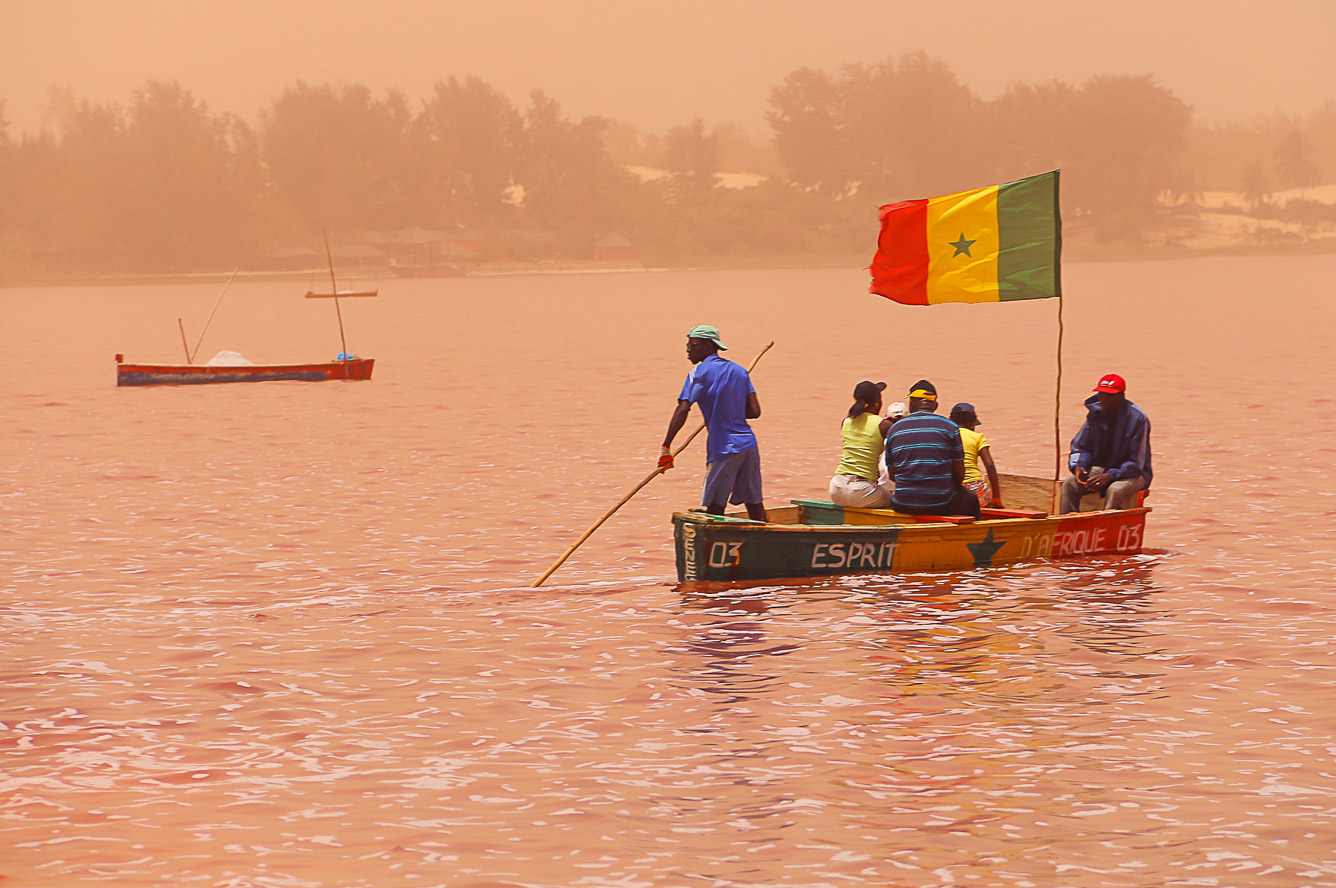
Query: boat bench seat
[
  {"x": 827, "y": 505},
  {"x": 1012, "y": 513},
  {"x": 701, "y": 515}
]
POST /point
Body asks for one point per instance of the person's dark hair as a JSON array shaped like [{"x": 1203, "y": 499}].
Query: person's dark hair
[
  {"x": 859, "y": 408},
  {"x": 963, "y": 412},
  {"x": 866, "y": 394}
]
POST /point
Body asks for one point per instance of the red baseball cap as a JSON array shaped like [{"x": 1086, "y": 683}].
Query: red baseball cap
[{"x": 1110, "y": 382}]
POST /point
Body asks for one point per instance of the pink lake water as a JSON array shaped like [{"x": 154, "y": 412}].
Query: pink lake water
[{"x": 282, "y": 634}]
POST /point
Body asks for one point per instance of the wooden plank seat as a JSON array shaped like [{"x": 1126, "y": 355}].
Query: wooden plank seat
[
  {"x": 935, "y": 519},
  {"x": 1012, "y": 513},
  {"x": 835, "y": 512}
]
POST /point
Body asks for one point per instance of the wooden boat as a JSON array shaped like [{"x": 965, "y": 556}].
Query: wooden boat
[
  {"x": 231, "y": 367},
  {"x": 817, "y": 538},
  {"x": 342, "y": 294},
  {"x": 191, "y": 374}
]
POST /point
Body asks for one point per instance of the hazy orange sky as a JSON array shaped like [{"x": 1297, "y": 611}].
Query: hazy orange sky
[{"x": 658, "y": 64}]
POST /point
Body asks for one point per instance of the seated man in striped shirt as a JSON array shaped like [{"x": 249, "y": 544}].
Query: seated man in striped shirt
[{"x": 926, "y": 460}]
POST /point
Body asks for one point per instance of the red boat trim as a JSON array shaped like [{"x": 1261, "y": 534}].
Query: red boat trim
[{"x": 197, "y": 374}]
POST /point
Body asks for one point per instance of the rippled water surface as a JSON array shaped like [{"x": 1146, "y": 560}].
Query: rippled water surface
[{"x": 281, "y": 634}]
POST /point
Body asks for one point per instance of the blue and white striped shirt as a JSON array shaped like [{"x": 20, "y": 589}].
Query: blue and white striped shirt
[{"x": 921, "y": 448}]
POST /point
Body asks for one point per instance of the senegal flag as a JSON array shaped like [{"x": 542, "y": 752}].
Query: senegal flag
[{"x": 992, "y": 244}]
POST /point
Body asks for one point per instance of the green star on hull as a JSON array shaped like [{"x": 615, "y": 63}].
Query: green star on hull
[{"x": 984, "y": 550}]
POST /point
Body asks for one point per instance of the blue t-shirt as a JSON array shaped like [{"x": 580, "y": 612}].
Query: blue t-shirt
[
  {"x": 721, "y": 387},
  {"x": 921, "y": 448}
]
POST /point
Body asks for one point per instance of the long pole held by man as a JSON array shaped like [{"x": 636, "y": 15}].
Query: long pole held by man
[{"x": 665, "y": 463}]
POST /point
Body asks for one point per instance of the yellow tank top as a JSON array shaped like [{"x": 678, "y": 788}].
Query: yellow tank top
[
  {"x": 973, "y": 442},
  {"x": 863, "y": 446}
]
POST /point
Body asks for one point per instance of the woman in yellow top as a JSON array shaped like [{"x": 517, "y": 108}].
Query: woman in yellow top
[
  {"x": 988, "y": 490},
  {"x": 863, "y": 435}
]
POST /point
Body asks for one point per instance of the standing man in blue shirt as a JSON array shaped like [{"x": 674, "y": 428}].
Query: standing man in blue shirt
[
  {"x": 727, "y": 400},
  {"x": 1110, "y": 455},
  {"x": 926, "y": 460}
]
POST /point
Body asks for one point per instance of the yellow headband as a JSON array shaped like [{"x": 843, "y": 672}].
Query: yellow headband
[{"x": 923, "y": 394}]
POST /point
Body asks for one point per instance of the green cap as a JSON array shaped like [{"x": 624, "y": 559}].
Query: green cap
[{"x": 705, "y": 331}]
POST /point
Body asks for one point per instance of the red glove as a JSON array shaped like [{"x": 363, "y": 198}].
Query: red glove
[{"x": 665, "y": 459}]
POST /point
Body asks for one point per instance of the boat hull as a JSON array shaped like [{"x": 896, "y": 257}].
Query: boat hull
[
  {"x": 200, "y": 374},
  {"x": 820, "y": 540}
]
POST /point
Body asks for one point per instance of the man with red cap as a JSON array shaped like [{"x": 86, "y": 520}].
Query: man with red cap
[{"x": 1111, "y": 453}]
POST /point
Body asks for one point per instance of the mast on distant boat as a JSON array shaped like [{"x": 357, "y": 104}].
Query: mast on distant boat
[
  {"x": 190, "y": 355},
  {"x": 343, "y": 353}
]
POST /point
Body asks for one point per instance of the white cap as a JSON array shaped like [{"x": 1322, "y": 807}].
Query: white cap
[{"x": 897, "y": 410}]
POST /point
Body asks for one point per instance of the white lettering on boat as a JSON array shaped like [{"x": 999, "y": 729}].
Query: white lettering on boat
[
  {"x": 1036, "y": 546},
  {"x": 853, "y": 556},
  {"x": 1129, "y": 538},
  {"x": 1087, "y": 541},
  {"x": 689, "y": 547},
  {"x": 1082, "y": 541},
  {"x": 725, "y": 554}
]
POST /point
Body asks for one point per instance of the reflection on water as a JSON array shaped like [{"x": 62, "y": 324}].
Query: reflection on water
[
  {"x": 733, "y": 646},
  {"x": 281, "y": 635}
]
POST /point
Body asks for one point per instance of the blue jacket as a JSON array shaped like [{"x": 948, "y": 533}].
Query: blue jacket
[{"x": 1123, "y": 450}]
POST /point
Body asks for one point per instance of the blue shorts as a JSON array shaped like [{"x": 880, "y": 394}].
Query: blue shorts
[{"x": 734, "y": 478}]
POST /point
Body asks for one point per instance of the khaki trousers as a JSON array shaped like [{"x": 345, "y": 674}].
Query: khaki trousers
[
  {"x": 860, "y": 493},
  {"x": 1118, "y": 495}
]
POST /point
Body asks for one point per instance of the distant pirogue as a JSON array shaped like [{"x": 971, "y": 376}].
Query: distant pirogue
[
  {"x": 193, "y": 374},
  {"x": 231, "y": 367}
]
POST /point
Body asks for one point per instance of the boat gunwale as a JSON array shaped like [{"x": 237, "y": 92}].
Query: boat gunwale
[
  {"x": 125, "y": 366},
  {"x": 150, "y": 375},
  {"x": 908, "y": 525}
]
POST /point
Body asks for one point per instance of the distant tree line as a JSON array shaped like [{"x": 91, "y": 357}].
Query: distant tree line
[{"x": 164, "y": 184}]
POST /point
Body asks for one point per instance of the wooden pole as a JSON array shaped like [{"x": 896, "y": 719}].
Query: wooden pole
[
  {"x": 182, "y": 327},
  {"x": 190, "y": 355},
  {"x": 624, "y": 500},
  {"x": 343, "y": 343},
  {"x": 1057, "y": 418},
  {"x": 1057, "y": 388}
]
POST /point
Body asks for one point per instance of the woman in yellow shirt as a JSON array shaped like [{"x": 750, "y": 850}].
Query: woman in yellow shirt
[
  {"x": 988, "y": 490},
  {"x": 863, "y": 436}
]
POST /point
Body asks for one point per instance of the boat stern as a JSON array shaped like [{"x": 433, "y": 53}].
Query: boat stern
[{"x": 727, "y": 548}]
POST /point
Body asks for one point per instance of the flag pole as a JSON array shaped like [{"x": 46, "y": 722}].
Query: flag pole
[
  {"x": 1057, "y": 417},
  {"x": 1057, "y": 388}
]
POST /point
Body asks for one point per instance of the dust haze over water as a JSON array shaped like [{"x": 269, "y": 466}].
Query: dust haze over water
[
  {"x": 651, "y": 66},
  {"x": 596, "y": 123},
  {"x": 281, "y": 634}
]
